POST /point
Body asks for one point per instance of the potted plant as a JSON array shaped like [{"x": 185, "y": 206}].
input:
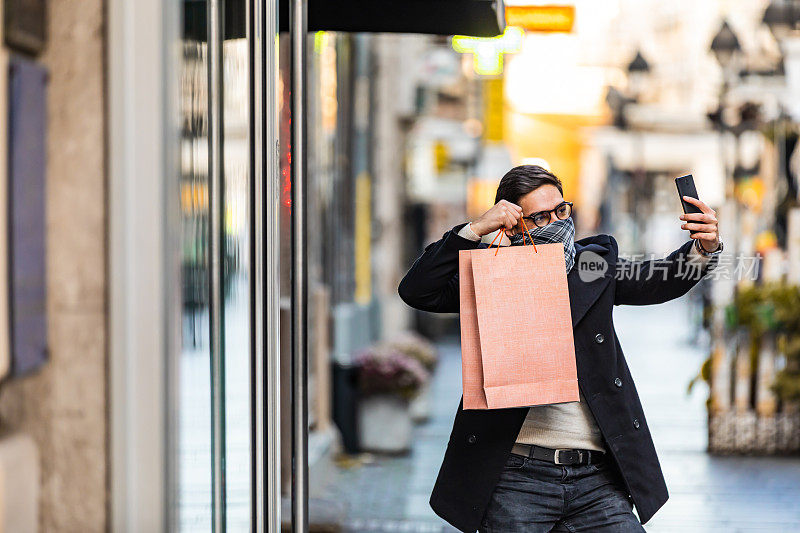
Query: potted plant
[
  {"x": 422, "y": 350},
  {"x": 786, "y": 300},
  {"x": 388, "y": 380}
]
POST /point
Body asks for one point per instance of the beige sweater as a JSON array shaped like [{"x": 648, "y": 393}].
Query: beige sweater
[{"x": 562, "y": 425}]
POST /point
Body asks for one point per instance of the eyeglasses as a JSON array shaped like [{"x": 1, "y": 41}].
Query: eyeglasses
[{"x": 542, "y": 218}]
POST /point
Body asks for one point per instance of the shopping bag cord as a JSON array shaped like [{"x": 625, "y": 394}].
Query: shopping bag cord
[
  {"x": 525, "y": 227},
  {"x": 499, "y": 233}
]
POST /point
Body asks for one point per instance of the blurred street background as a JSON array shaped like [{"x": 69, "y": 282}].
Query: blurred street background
[{"x": 154, "y": 173}]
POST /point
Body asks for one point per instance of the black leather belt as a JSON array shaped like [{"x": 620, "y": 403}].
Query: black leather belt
[{"x": 561, "y": 456}]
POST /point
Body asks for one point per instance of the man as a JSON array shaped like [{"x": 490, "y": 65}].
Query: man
[{"x": 576, "y": 466}]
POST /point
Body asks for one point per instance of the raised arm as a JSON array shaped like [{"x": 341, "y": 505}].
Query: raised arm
[
  {"x": 660, "y": 280},
  {"x": 432, "y": 282}
]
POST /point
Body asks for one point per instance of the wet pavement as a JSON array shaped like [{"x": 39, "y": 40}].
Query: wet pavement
[{"x": 707, "y": 494}]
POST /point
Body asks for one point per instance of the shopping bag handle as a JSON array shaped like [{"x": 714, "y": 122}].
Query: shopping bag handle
[{"x": 499, "y": 233}]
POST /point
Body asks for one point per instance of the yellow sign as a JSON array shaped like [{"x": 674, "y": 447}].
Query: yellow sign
[
  {"x": 487, "y": 53},
  {"x": 441, "y": 156},
  {"x": 541, "y": 18},
  {"x": 363, "y": 239},
  {"x": 493, "y": 109}
]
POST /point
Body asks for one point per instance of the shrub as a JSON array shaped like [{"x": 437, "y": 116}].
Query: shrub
[
  {"x": 418, "y": 347},
  {"x": 383, "y": 369}
]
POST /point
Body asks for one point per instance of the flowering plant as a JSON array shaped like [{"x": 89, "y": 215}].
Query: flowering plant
[
  {"x": 385, "y": 369},
  {"x": 417, "y": 347}
]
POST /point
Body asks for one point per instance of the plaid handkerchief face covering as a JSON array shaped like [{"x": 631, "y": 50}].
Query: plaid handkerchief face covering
[{"x": 558, "y": 231}]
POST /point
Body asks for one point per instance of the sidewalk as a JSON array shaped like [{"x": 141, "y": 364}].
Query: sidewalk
[
  {"x": 391, "y": 493},
  {"x": 707, "y": 494}
]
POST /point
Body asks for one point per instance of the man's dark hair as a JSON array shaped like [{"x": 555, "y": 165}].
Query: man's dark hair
[{"x": 523, "y": 179}]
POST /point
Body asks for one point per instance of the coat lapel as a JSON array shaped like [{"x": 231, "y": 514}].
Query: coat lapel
[{"x": 585, "y": 289}]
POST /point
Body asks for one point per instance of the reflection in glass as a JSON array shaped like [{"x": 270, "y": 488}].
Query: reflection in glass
[
  {"x": 194, "y": 406},
  {"x": 194, "y": 409},
  {"x": 236, "y": 285}
]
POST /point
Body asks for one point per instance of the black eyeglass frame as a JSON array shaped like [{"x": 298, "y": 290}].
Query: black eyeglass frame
[{"x": 547, "y": 213}]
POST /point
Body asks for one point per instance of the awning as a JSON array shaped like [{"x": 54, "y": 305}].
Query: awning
[
  {"x": 479, "y": 18},
  {"x": 195, "y": 19}
]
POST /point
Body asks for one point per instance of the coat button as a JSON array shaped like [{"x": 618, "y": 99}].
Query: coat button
[
  {"x": 636, "y": 423},
  {"x": 618, "y": 382},
  {"x": 599, "y": 338},
  {"x": 472, "y": 439}
]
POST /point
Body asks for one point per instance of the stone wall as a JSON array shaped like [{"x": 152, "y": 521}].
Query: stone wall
[{"x": 63, "y": 407}]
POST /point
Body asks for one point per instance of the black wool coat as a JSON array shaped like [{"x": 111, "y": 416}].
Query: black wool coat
[{"x": 481, "y": 440}]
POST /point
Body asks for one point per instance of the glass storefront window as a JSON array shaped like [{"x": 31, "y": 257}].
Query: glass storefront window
[
  {"x": 194, "y": 379},
  {"x": 194, "y": 442}
]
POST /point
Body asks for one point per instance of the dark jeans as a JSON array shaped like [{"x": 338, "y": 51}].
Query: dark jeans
[{"x": 534, "y": 495}]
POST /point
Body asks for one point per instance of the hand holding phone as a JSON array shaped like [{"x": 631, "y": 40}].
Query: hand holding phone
[
  {"x": 686, "y": 187},
  {"x": 701, "y": 220}
]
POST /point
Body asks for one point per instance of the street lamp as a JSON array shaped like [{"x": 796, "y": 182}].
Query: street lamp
[
  {"x": 617, "y": 101},
  {"x": 782, "y": 17},
  {"x": 638, "y": 69},
  {"x": 725, "y": 46}
]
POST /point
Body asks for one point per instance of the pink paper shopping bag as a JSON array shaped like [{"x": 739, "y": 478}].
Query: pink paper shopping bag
[{"x": 516, "y": 328}]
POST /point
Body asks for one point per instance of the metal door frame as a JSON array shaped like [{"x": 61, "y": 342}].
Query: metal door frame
[
  {"x": 262, "y": 24},
  {"x": 262, "y": 27}
]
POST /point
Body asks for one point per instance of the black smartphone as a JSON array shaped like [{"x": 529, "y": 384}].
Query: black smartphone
[{"x": 686, "y": 187}]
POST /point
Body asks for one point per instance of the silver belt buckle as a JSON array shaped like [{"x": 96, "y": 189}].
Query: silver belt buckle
[
  {"x": 556, "y": 459},
  {"x": 558, "y": 452}
]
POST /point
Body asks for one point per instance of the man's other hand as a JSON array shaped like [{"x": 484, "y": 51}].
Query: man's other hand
[{"x": 704, "y": 226}]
